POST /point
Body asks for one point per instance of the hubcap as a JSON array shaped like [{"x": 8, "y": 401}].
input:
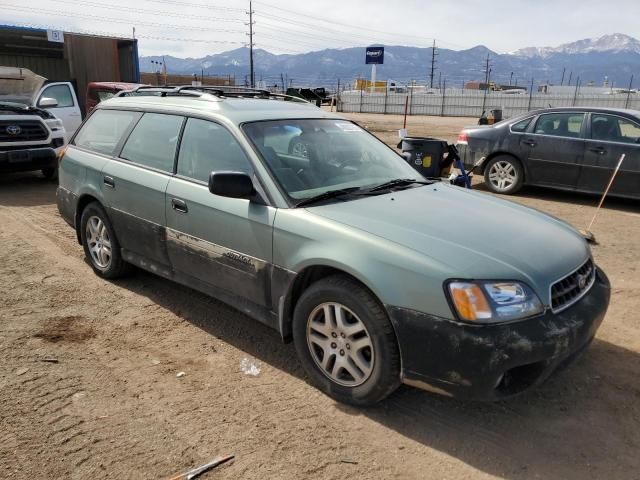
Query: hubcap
[
  {"x": 502, "y": 175},
  {"x": 99, "y": 242},
  {"x": 340, "y": 344}
]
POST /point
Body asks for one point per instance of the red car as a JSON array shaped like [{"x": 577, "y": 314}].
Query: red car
[{"x": 100, "y": 91}]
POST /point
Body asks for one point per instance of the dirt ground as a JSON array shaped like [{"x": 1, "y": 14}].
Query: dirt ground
[{"x": 89, "y": 385}]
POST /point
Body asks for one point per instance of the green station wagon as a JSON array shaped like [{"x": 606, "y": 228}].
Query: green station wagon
[{"x": 378, "y": 275}]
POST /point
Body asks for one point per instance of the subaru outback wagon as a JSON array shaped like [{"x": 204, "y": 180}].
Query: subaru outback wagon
[{"x": 379, "y": 276}]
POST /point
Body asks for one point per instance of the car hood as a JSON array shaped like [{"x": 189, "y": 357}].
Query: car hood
[
  {"x": 476, "y": 235},
  {"x": 19, "y": 85}
]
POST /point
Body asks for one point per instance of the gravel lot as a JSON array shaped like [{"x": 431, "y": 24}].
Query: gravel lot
[{"x": 89, "y": 385}]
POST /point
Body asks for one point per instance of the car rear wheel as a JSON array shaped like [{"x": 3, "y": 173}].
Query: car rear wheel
[
  {"x": 504, "y": 174},
  {"x": 346, "y": 342},
  {"x": 100, "y": 244}
]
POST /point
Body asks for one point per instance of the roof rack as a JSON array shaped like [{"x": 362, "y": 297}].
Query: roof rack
[{"x": 221, "y": 91}]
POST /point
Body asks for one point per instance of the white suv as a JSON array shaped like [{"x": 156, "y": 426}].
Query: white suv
[{"x": 30, "y": 137}]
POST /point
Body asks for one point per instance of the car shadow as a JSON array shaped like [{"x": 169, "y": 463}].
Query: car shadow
[
  {"x": 27, "y": 189},
  {"x": 583, "y": 422}
]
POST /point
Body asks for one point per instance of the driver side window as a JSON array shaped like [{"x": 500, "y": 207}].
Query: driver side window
[
  {"x": 613, "y": 129},
  {"x": 209, "y": 147}
]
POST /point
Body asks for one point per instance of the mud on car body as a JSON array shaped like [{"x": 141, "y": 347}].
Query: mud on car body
[{"x": 377, "y": 274}]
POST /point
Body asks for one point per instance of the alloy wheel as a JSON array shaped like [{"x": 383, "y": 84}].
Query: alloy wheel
[
  {"x": 340, "y": 344},
  {"x": 99, "y": 242},
  {"x": 503, "y": 175}
]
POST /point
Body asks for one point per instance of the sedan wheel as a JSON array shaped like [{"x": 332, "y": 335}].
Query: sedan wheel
[
  {"x": 504, "y": 175},
  {"x": 340, "y": 344}
]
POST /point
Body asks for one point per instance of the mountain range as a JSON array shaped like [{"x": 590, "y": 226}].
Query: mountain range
[{"x": 615, "y": 57}]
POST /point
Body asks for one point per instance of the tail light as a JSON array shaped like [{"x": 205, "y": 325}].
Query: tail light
[{"x": 462, "y": 137}]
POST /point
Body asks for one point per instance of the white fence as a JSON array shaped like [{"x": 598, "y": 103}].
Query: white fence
[{"x": 469, "y": 103}]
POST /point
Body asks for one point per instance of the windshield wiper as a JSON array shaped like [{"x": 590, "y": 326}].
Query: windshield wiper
[
  {"x": 326, "y": 196},
  {"x": 398, "y": 182}
]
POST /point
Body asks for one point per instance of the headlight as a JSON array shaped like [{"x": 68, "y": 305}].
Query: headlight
[{"x": 493, "y": 302}]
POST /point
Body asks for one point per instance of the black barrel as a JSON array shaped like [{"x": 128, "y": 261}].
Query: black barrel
[
  {"x": 497, "y": 115},
  {"x": 424, "y": 154}
]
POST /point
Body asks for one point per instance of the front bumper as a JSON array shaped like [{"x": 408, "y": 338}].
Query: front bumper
[
  {"x": 490, "y": 362},
  {"x": 27, "y": 159}
]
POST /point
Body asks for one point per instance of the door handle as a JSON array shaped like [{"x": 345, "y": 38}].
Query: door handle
[
  {"x": 531, "y": 143},
  {"x": 109, "y": 182},
  {"x": 598, "y": 150},
  {"x": 179, "y": 205}
]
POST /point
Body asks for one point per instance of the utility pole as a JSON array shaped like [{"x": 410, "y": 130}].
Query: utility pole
[
  {"x": 511, "y": 79},
  {"x": 486, "y": 84},
  {"x": 252, "y": 75},
  {"x": 564, "y": 70},
  {"x": 570, "y": 76},
  {"x": 626, "y": 104},
  {"x": 439, "y": 80},
  {"x": 282, "y": 81},
  {"x": 433, "y": 63}
]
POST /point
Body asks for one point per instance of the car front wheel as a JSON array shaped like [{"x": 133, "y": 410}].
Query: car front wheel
[
  {"x": 346, "y": 342},
  {"x": 504, "y": 174}
]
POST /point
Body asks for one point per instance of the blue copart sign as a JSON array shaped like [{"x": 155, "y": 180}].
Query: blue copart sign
[{"x": 375, "y": 55}]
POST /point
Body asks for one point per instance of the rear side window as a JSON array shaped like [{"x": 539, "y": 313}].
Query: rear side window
[
  {"x": 153, "y": 141},
  {"x": 613, "y": 129},
  {"x": 560, "y": 124},
  {"x": 521, "y": 126},
  {"x": 104, "y": 129},
  {"x": 207, "y": 147}
]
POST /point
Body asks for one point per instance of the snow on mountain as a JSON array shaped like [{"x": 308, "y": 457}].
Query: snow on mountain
[{"x": 616, "y": 42}]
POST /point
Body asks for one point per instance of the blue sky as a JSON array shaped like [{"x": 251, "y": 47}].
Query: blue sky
[{"x": 198, "y": 27}]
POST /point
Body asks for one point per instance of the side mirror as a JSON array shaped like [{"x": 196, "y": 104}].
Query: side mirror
[
  {"x": 231, "y": 184},
  {"x": 47, "y": 102}
]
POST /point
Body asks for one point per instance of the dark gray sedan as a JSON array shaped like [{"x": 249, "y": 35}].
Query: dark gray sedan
[{"x": 565, "y": 148}]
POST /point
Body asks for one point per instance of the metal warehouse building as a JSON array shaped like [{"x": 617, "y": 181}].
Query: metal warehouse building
[{"x": 66, "y": 56}]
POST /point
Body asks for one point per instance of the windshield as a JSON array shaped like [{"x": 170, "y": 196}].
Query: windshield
[
  {"x": 311, "y": 157},
  {"x": 19, "y": 85}
]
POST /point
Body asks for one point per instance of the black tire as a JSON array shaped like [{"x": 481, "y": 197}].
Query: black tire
[
  {"x": 116, "y": 267},
  {"x": 50, "y": 173},
  {"x": 505, "y": 170},
  {"x": 384, "y": 376}
]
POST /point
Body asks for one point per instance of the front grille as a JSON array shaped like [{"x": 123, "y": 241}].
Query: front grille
[
  {"x": 22, "y": 131},
  {"x": 571, "y": 288}
]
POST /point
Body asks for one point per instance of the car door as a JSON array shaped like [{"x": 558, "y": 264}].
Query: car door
[
  {"x": 68, "y": 108},
  {"x": 134, "y": 187},
  {"x": 610, "y": 136},
  {"x": 555, "y": 149},
  {"x": 220, "y": 242}
]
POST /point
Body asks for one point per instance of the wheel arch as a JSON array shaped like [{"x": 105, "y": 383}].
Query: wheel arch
[
  {"x": 303, "y": 280},
  {"x": 84, "y": 200}
]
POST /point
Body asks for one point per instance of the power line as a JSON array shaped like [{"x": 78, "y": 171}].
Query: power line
[
  {"x": 115, "y": 20},
  {"x": 162, "y": 13},
  {"x": 118, "y": 35},
  {"x": 273, "y": 27},
  {"x": 333, "y": 22}
]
